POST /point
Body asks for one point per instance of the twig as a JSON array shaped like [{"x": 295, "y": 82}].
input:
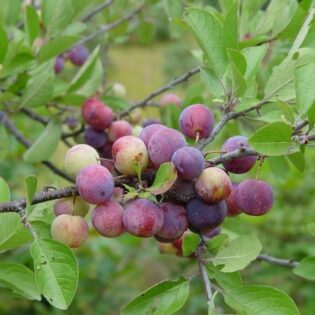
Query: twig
[
  {"x": 203, "y": 273},
  {"x": 35, "y": 116},
  {"x": 300, "y": 126},
  {"x": 13, "y": 130},
  {"x": 96, "y": 10},
  {"x": 278, "y": 261},
  {"x": 184, "y": 77},
  {"x": 108, "y": 27}
]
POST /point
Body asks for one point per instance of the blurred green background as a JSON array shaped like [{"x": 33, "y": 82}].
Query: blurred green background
[{"x": 113, "y": 271}]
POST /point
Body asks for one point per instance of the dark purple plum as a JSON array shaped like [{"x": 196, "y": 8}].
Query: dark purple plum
[
  {"x": 182, "y": 191},
  {"x": 59, "y": 64},
  {"x": 189, "y": 162},
  {"x": 204, "y": 217},
  {"x": 97, "y": 114},
  {"x": 163, "y": 145},
  {"x": 78, "y": 55},
  {"x": 239, "y": 165},
  {"x": 213, "y": 185},
  {"x": 95, "y": 138},
  {"x": 149, "y": 122},
  {"x": 233, "y": 209},
  {"x": 207, "y": 236},
  {"x": 143, "y": 218},
  {"x": 107, "y": 219},
  {"x": 95, "y": 184},
  {"x": 175, "y": 222},
  {"x": 254, "y": 197},
  {"x": 147, "y": 132},
  {"x": 118, "y": 129},
  {"x": 72, "y": 122},
  {"x": 196, "y": 120}
]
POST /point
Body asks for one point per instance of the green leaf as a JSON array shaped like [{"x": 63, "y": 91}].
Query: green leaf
[
  {"x": 254, "y": 57},
  {"x": 298, "y": 160},
  {"x": 115, "y": 102},
  {"x": 31, "y": 23},
  {"x": 20, "y": 280},
  {"x": 225, "y": 280},
  {"x": 305, "y": 93},
  {"x": 85, "y": 72},
  {"x": 208, "y": 32},
  {"x": 280, "y": 85},
  {"x": 212, "y": 83},
  {"x": 230, "y": 27},
  {"x": 45, "y": 145},
  {"x": 164, "y": 298},
  {"x": 12, "y": 233},
  {"x": 71, "y": 99},
  {"x": 191, "y": 242},
  {"x": 164, "y": 179},
  {"x": 260, "y": 300},
  {"x": 39, "y": 89},
  {"x": 216, "y": 242},
  {"x": 56, "y": 271},
  {"x": 4, "y": 143},
  {"x": 273, "y": 139},
  {"x": 56, "y": 47},
  {"x": 238, "y": 66},
  {"x": 306, "y": 268},
  {"x": 42, "y": 212},
  {"x": 3, "y": 44},
  {"x": 238, "y": 254},
  {"x": 4, "y": 191},
  {"x": 31, "y": 187},
  {"x": 57, "y": 15},
  {"x": 311, "y": 116}
]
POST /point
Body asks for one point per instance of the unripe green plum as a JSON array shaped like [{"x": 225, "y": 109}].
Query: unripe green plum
[
  {"x": 70, "y": 230},
  {"x": 129, "y": 152},
  {"x": 213, "y": 185},
  {"x": 78, "y": 157},
  {"x": 72, "y": 206}
]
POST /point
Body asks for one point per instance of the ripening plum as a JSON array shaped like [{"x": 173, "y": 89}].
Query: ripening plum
[
  {"x": 239, "y": 165},
  {"x": 136, "y": 130},
  {"x": 170, "y": 98},
  {"x": 189, "y": 162},
  {"x": 205, "y": 217},
  {"x": 129, "y": 152},
  {"x": 213, "y": 185},
  {"x": 95, "y": 138},
  {"x": 254, "y": 197},
  {"x": 95, "y": 184},
  {"x": 70, "y": 230},
  {"x": 107, "y": 219},
  {"x": 78, "y": 157},
  {"x": 232, "y": 208},
  {"x": 175, "y": 222},
  {"x": 59, "y": 64},
  {"x": 163, "y": 145},
  {"x": 149, "y": 131},
  {"x": 169, "y": 248},
  {"x": 72, "y": 206},
  {"x": 119, "y": 90},
  {"x": 78, "y": 55},
  {"x": 97, "y": 114},
  {"x": 149, "y": 122},
  {"x": 182, "y": 191},
  {"x": 118, "y": 129},
  {"x": 196, "y": 120},
  {"x": 143, "y": 218}
]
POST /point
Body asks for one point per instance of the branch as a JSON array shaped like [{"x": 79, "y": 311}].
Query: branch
[
  {"x": 300, "y": 126},
  {"x": 241, "y": 152},
  {"x": 203, "y": 272},
  {"x": 277, "y": 261},
  {"x": 108, "y": 27},
  {"x": 44, "y": 121},
  {"x": 15, "y": 132},
  {"x": 184, "y": 77},
  {"x": 96, "y": 10}
]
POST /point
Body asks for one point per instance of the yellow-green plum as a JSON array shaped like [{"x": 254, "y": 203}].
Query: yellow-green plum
[
  {"x": 95, "y": 184},
  {"x": 70, "y": 230},
  {"x": 107, "y": 219},
  {"x": 129, "y": 153},
  {"x": 72, "y": 206},
  {"x": 213, "y": 185},
  {"x": 78, "y": 157}
]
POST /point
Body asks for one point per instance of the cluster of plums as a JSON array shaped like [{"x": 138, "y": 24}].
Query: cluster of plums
[
  {"x": 199, "y": 200},
  {"x": 77, "y": 56}
]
